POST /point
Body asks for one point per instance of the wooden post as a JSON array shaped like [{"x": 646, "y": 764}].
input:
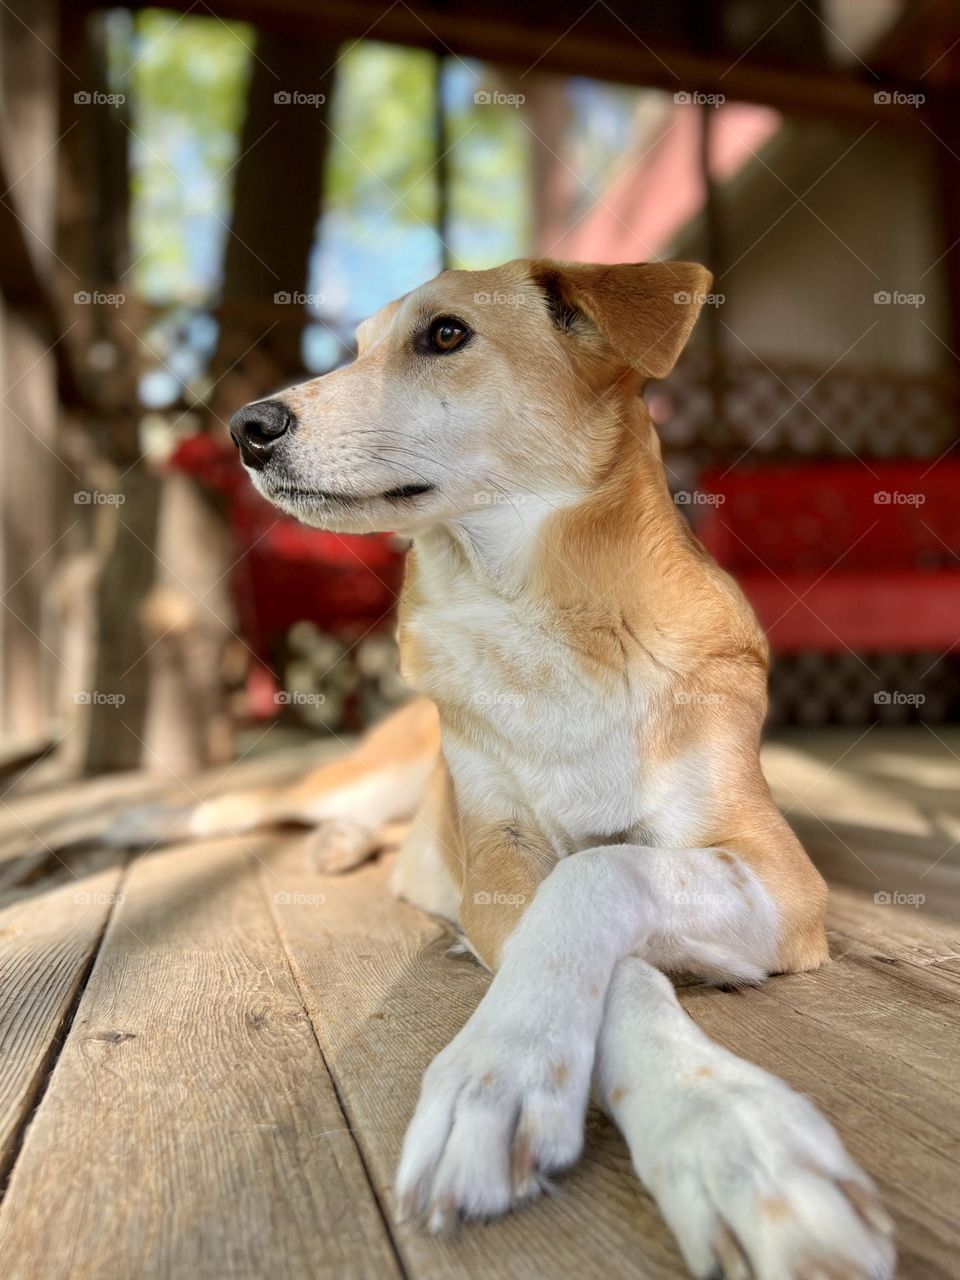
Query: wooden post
[
  {"x": 28, "y": 412},
  {"x": 442, "y": 165},
  {"x": 277, "y": 186},
  {"x": 108, "y": 494}
]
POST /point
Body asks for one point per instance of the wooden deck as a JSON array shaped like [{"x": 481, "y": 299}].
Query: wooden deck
[{"x": 208, "y": 1054}]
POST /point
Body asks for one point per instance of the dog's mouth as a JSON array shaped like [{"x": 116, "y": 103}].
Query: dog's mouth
[{"x": 402, "y": 493}]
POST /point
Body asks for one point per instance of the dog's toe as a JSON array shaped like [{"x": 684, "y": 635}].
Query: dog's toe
[
  {"x": 495, "y": 1117},
  {"x": 756, "y": 1185},
  {"x": 339, "y": 845}
]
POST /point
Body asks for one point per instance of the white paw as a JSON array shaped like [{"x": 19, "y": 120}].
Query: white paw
[
  {"x": 231, "y": 814},
  {"x": 340, "y": 844},
  {"x": 756, "y": 1185},
  {"x": 498, "y": 1110}
]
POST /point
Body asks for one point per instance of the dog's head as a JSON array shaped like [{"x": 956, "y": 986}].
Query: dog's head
[{"x": 478, "y": 388}]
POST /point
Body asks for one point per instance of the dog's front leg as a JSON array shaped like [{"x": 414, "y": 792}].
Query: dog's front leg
[
  {"x": 751, "y": 1178},
  {"x": 744, "y": 1169},
  {"x": 505, "y": 1101}
]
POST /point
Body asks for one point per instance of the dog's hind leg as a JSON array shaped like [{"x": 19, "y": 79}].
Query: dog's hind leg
[{"x": 348, "y": 801}]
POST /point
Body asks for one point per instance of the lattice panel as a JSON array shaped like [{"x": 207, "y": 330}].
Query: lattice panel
[
  {"x": 889, "y": 688},
  {"x": 785, "y": 410}
]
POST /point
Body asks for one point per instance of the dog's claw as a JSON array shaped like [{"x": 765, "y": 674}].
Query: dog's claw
[
  {"x": 733, "y": 1262},
  {"x": 868, "y": 1207}
]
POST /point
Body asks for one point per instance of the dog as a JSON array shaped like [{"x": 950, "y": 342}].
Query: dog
[{"x": 581, "y": 765}]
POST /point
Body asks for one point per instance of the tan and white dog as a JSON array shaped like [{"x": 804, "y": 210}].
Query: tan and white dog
[{"x": 591, "y": 811}]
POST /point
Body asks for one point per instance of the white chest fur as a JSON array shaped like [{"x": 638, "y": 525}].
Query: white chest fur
[{"x": 528, "y": 732}]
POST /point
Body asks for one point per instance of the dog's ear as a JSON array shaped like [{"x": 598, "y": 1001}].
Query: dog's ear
[{"x": 644, "y": 310}]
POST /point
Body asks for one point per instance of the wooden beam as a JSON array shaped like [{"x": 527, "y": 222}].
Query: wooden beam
[
  {"x": 923, "y": 48},
  {"x": 597, "y": 43}
]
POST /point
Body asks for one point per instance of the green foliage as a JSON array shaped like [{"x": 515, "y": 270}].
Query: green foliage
[
  {"x": 382, "y": 160},
  {"x": 186, "y": 78},
  {"x": 382, "y": 121}
]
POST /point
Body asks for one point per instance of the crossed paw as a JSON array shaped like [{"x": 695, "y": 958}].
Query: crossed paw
[
  {"x": 751, "y": 1178},
  {"x": 499, "y": 1110},
  {"x": 756, "y": 1184}
]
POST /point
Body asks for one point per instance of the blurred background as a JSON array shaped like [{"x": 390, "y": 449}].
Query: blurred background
[{"x": 200, "y": 202}]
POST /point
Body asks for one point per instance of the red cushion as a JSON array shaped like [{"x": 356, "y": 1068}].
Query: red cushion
[
  {"x": 864, "y": 612},
  {"x": 817, "y": 515}
]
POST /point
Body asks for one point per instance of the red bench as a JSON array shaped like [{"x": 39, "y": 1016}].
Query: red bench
[
  {"x": 284, "y": 572},
  {"x": 841, "y": 555}
]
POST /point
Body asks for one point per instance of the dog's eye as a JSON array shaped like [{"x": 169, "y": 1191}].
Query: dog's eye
[{"x": 444, "y": 334}]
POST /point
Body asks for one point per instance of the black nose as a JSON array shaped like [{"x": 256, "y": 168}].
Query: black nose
[{"x": 256, "y": 428}]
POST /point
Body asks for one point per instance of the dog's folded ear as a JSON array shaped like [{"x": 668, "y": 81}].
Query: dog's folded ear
[{"x": 644, "y": 310}]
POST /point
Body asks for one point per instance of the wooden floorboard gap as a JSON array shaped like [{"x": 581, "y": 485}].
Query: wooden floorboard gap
[
  {"x": 56, "y": 1048},
  {"x": 300, "y": 985}
]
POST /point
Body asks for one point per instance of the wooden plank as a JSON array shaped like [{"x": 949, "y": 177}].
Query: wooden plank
[
  {"x": 914, "y": 936},
  {"x": 46, "y": 945},
  {"x": 190, "y": 1128},
  {"x": 385, "y": 997},
  {"x": 896, "y": 1121},
  {"x": 886, "y": 1010},
  {"x": 877, "y": 1059},
  {"x": 877, "y": 811}
]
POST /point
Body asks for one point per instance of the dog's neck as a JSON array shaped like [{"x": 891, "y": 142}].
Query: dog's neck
[
  {"x": 498, "y": 541},
  {"x": 626, "y": 510}
]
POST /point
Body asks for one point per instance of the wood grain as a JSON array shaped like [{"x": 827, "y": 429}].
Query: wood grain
[
  {"x": 852, "y": 1048},
  {"x": 385, "y": 997},
  {"x": 190, "y": 1128},
  {"x": 233, "y": 1092},
  {"x": 46, "y": 945},
  {"x": 876, "y": 1052}
]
